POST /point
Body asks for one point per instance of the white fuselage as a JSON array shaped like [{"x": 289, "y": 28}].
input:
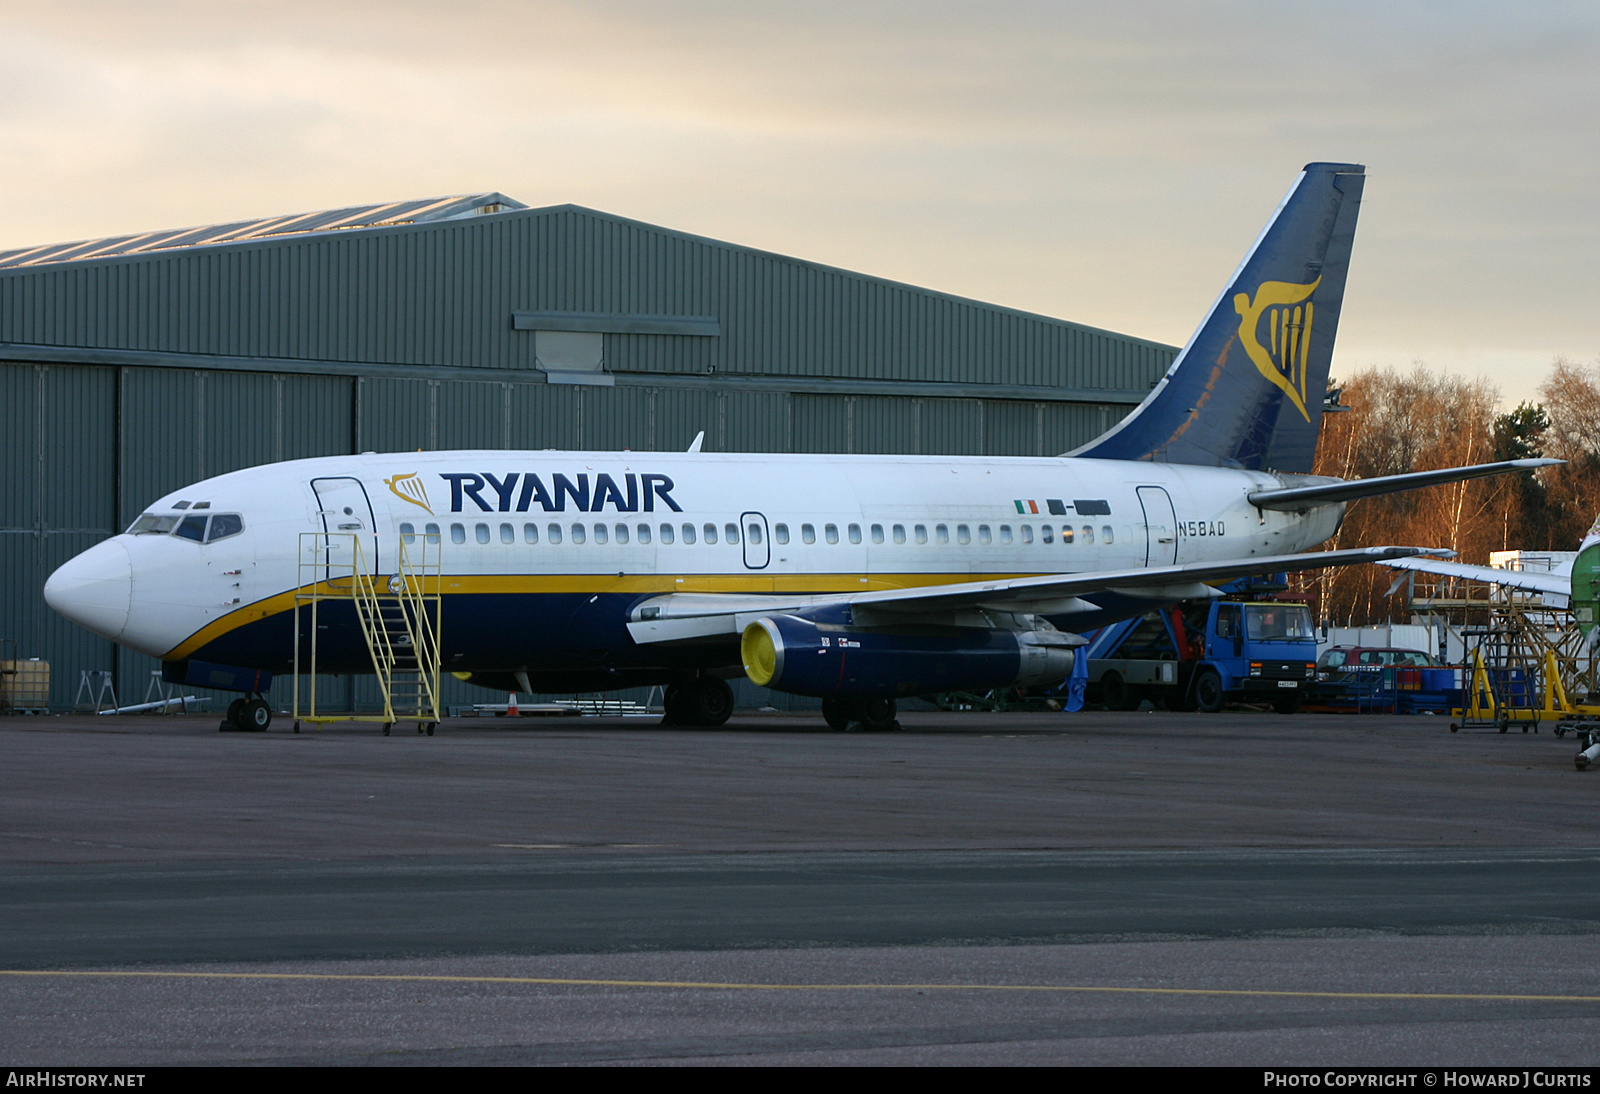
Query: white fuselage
[{"x": 646, "y": 523}]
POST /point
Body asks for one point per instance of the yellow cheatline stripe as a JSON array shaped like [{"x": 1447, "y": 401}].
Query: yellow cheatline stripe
[
  {"x": 715, "y": 985},
  {"x": 496, "y": 584}
]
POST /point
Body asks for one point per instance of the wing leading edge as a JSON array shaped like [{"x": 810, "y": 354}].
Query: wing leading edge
[{"x": 677, "y": 617}]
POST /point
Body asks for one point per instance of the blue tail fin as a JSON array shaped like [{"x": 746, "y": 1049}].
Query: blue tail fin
[{"x": 1247, "y": 391}]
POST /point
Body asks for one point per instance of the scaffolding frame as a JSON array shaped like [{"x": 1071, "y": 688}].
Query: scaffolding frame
[{"x": 399, "y": 616}]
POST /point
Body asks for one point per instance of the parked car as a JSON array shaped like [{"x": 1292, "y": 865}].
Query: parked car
[{"x": 1341, "y": 659}]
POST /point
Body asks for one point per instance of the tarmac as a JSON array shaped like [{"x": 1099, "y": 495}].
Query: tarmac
[{"x": 1106, "y": 888}]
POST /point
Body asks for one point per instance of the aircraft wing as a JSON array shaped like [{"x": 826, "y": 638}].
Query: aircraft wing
[
  {"x": 688, "y": 616},
  {"x": 1557, "y": 588}
]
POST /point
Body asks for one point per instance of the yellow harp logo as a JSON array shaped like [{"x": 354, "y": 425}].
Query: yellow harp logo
[
  {"x": 411, "y": 489},
  {"x": 1285, "y": 311}
]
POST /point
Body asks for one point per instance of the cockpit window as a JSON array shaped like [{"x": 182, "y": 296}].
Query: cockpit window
[
  {"x": 191, "y": 528},
  {"x": 195, "y": 526},
  {"x": 224, "y": 525},
  {"x": 180, "y": 505},
  {"x": 153, "y": 524}
]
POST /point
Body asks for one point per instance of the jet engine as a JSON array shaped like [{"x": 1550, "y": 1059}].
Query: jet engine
[{"x": 805, "y": 657}]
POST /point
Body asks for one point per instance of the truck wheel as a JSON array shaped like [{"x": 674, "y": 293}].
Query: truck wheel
[
  {"x": 1289, "y": 704},
  {"x": 1116, "y": 693},
  {"x": 1208, "y": 693}
]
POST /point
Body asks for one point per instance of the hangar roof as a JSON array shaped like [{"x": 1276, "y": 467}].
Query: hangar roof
[{"x": 330, "y": 220}]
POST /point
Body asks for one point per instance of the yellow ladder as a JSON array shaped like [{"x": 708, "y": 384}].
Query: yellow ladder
[{"x": 399, "y": 617}]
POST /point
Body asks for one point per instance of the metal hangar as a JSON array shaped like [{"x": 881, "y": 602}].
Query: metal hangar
[{"x": 133, "y": 365}]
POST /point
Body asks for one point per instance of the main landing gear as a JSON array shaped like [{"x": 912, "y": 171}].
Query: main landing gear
[
  {"x": 867, "y": 715},
  {"x": 704, "y": 701},
  {"x": 252, "y": 715}
]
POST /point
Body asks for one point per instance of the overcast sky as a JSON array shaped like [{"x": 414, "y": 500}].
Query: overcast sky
[{"x": 1105, "y": 166}]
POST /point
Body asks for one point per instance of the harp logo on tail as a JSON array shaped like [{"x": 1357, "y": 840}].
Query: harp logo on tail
[
  {"x": 410, "y": 488},
  {"x": 1280, "y": 317}
]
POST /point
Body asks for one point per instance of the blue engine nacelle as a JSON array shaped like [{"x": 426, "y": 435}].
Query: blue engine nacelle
[{"x": 797, "y": 655}]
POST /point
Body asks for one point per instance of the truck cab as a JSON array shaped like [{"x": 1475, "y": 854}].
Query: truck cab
[{"x": 1203, "y": 656}]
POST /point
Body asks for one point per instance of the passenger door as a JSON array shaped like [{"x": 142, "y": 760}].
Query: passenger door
[
  {"x": 1160, "y": 527},
  {"x": 344, "y": 508}
]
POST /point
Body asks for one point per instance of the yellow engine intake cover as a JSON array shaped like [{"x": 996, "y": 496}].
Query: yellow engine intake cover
[{"x": 759, "y": 655}]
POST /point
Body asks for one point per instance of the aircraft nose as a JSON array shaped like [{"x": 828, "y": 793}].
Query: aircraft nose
[{"x": 94, "y": 589}]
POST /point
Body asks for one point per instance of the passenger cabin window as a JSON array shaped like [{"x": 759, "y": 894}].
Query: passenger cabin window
[
  {"x": 984, "y": 535},
  {"x": 877, "y": 533},
  {"x": 708, "y": 533},
  {"x": 1047, "y": 534},
  {"x": 578, "y": 534},
  {"x": 643, "y": 532},
  {"x": 508, "y": 534},
  {"x": 688, "y": 533},
  {"x": 599, "y": 533},
  {"x": 482, "y": 533},
  {"x": 808, "y": 534},
  {"x": 552, "y": 534},
  {"x": 1027, "y": 533},
  {"x": 621, "y": 533},
  {"x": 431, "y": 531},
  {"x": 855, "y": 533},
  {"x": 780, "y": 532},
  {"x": 899, "y": 533},
  {"x": 1005, "y": 533},
  {"x": 830, "y": 532},
  {"x": 941, "y": 533},
  {"x": 730, "y": 533},
  {"x": 921, "y": 532},
  {"x": 458, "y": 533},
  {"x": 1106, "y": 534},
  {"x": 753, "y": 534},
  {"x": 963, "y": 534},
  {"x": 1088, "y": 535},
  {"x": 530, "y": 533},
  {"x": 666, "y": 533},
  {"x": 408, "y": 532},
  {"x": 1066, "y": 535}
]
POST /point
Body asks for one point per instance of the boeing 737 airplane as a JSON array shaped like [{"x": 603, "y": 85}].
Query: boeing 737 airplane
[{"x": 859, "y": 579}]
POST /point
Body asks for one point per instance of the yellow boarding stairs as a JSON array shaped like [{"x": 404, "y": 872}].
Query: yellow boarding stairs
[{"x": 399, "y": 617}]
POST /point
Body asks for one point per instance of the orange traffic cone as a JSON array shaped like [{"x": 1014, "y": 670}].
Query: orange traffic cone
[{"x": 511, "y": 707}]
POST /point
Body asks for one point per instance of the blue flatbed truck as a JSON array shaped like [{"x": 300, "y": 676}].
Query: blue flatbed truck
[{"x": 1244, "y": 647}]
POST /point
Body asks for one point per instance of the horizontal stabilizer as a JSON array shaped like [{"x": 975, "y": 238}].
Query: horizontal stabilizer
[
  {"x": 1556, "y": 588},
  {"x": 1298, "y": 499}
]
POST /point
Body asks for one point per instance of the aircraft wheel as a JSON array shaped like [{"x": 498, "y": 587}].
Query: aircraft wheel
[
  {"x": 1208, "y": 693},
  {"x": 1289, "y": 704},
  {"x": 672, "y": 706},
  {"x": 836, "y": 712},
  {"x": 1116, "y": 693},
  {"x": 710, "y": 701},
  {"x": 255, "y": 716},
  {"x": 877, "y": 715},
  {"x": 235, "y": 715}
]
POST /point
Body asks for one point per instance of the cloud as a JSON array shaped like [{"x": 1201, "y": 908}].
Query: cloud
[{"x": 1107, "y": 165}]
